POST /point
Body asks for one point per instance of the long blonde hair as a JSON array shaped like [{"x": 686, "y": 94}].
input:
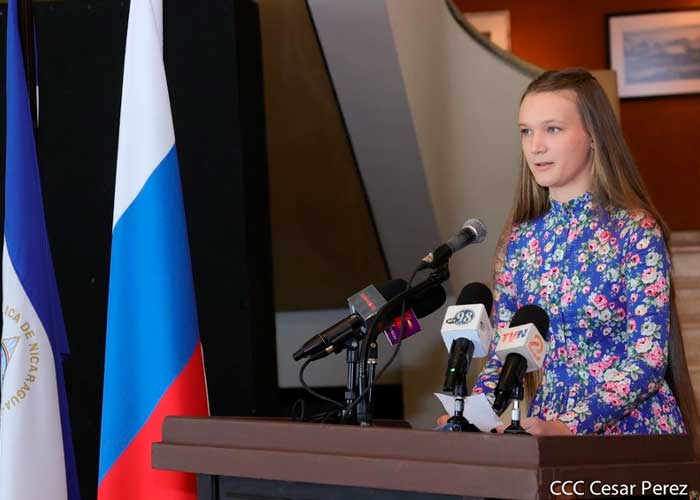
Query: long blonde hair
[{"x": 616, "y": 180}]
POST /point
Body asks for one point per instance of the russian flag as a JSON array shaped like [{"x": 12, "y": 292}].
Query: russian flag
[
  {"x": 153, "y": 355},
  {"x": 36, "y": 450}
]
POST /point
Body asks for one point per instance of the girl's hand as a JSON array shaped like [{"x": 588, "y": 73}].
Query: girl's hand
[
  {"x": 442, "y": 420},
  {"x": 538, "y": 427}
]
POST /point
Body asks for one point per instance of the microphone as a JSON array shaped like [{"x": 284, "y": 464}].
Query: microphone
[
  {"x": 521, "y": 349},
  {"x": 473, "y": 231},
  {"x": 369, "y": 344},
  {"x": 364, "y": 305},
  {"x": 422, "y": 304},
  {"x": 466, "y": 331}
]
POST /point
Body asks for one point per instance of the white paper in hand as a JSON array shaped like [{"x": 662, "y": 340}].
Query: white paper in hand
[
  {"x": 477, "y": 410},
  {"x": 448, "y": 402}
]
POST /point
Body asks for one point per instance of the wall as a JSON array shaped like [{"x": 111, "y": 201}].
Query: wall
[
  {"x": 367, "y": 79},
  {"x": 662, "y": 132},
  {"x": 463, "y": 101},
  {"x": 324, "y": 241}
]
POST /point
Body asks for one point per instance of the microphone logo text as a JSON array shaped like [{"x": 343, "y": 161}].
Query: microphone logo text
[
  {"x": 367, "y": 300},
  {"x": 514, "y": 335},
  {"x": 461, "y": 318}
]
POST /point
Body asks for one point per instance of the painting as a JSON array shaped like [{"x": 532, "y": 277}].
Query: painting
[{"x": 655, "y": 54}]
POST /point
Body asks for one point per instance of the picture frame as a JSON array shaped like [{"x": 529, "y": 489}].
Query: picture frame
[{"x": 655, "y": 53}]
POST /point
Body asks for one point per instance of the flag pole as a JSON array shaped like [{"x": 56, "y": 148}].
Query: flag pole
[{"x": 26, "y": 28}]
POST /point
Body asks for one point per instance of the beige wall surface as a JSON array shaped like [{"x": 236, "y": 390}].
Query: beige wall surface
[{"x": 464, "y": 101}]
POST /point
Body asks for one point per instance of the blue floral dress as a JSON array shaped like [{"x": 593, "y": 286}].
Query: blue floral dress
[{"x": 602, "y": 275}]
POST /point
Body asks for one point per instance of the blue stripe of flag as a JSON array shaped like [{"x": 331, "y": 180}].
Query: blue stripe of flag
[{"x": 152, "y": 318}]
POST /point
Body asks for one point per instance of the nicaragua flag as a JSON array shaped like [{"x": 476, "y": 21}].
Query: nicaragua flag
[
  {"x": 153, "y": 356},
  {"x": 36, "y": 450}
]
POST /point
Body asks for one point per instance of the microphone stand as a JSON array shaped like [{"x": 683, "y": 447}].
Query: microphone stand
[
  {"x": 457, "y": 422},
  {"x": 351, "y": 351},
  {"x": 366, "y": 379},
  {"x": 371, "y": 371},
  {"x": 364, "y": 411},
  {"x": 514, "y": 427}
]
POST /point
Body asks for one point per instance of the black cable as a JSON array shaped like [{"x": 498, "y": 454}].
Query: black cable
[
  {"x": 330, "y": 414},
  {"x": 402, "y": 328},
  {"x": 322, "y": 416},
  {"x": 309, "y": 389},
  {"x": 300, "y": 403}
]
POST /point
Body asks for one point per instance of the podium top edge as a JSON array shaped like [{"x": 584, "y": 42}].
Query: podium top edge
[{"x": 428, "y": 445}]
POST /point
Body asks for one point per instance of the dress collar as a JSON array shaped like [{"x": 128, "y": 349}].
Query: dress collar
[{"x": 574, "y": 207}]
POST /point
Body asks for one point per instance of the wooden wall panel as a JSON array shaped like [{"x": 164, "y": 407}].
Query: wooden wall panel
[{"x": 325, "y": 244}]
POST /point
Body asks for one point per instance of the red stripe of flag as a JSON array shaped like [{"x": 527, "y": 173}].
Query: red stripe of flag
[{"x": 132, "y": 476}]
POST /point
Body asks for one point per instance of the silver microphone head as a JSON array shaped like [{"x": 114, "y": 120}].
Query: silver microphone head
[
  {"x": 473, "y": 231},
  {"x": 478, "y": 227}
]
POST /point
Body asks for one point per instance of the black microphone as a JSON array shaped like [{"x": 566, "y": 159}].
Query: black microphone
[
  {"x": 365, "y": 303},
  {"x": 466, "y": 325},
  {"x": 426, "y": 301},
  {"x": 421, "y": 304},
  {"x": 467, "y": 331},
  {"x": 473, "y": 231},
  {"x": 521, "y": 349}
]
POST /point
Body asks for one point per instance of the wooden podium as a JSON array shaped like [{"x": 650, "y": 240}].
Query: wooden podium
[{"x": 239, "y": 458}]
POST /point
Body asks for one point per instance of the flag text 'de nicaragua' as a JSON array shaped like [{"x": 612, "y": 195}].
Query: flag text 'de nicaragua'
[
  {"x": 153, "y": 356},
  {"x": 36, "y": 450}
]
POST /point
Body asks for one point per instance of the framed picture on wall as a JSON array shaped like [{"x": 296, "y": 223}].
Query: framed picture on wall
[{"x": 656, "y": 53}]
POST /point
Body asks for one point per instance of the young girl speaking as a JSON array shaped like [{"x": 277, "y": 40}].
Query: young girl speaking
[{"x": 586, "y": 244}]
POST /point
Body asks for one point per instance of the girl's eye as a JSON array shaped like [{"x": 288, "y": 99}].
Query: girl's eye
[
  {"x": 525, "y": 131},
  {"x": 554, "y": 130}
]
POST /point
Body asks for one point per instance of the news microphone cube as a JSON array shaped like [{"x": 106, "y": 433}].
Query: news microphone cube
[
  {"x": 367, "y": 302},
  {"x": 471, "y": 322},
  {"x": 524, "y": 340}
]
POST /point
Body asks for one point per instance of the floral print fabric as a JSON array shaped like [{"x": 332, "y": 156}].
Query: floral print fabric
[{"x": 602, "y": 275}]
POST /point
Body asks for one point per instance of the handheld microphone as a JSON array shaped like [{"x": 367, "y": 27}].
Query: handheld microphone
[
  {"x": 466, "y": 331},
  {"x": 521, "y": 348},
  {"x": 364, "y": 306},
  {"x": 473, "y": 231}
]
